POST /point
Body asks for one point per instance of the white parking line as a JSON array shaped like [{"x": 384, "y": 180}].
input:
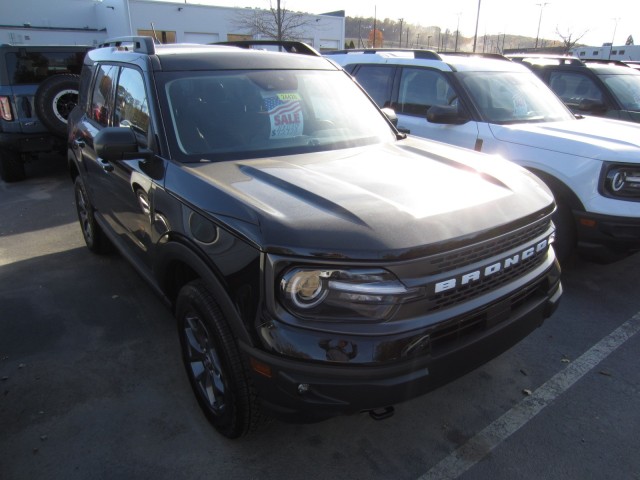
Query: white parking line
[{"x": 483, "y": 443}]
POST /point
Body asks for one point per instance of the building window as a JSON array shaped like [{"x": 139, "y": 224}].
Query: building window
[
  {"x": 614, "y": 52},
  {"x": 621, "y": 52},
  {"x": 595, "y": 52},
  {"x": 582, "y": 54}
]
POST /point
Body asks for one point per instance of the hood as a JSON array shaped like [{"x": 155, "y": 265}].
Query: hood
[
  {"x": 589, "y": 137},
  {"x": 382, "y": 201}
]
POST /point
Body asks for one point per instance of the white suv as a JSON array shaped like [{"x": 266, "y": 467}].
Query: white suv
[{"x": 496, "y": 106}]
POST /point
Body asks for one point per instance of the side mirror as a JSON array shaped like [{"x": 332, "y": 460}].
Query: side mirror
[
  {"x": 118, "y": 143},
  {"x": 391, "y": 115},
  {"x": 592, "y": 106},
  {"x": 446, "y": 114}
]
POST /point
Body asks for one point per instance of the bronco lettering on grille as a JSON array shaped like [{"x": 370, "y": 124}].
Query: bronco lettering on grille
[{"x": 492, "y": 269}]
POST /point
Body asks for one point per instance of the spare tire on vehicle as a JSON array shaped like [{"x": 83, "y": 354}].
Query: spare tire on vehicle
[{"x": 54, "y": 100}]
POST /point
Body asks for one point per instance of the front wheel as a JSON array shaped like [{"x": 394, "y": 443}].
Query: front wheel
[
  {"x": 214, "y": 365},
  {"x": 566, "y": 235},
  {"x": 93, "y": 235}
]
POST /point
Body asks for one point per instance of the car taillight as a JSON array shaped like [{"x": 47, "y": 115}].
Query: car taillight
[{"x": 5, "y": 109}]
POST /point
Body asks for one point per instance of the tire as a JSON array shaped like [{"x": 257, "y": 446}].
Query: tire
[
  {"x": 11, "y": 166},
  {"x": 54, "y": 100},
  {"x": 93, "y": 235},
  {"x": 216, "y": 370},
  {"x": 566, "y": 235}
]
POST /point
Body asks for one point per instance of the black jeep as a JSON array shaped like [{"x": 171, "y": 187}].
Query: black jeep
[
  {"x": 38, "y": 90},
  {"x": 318, "y": 261}
]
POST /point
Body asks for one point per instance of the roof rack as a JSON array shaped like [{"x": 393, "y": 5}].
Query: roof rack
[
  {"x": 604, "y": 61},
  {"x": 561, "y": 59},
  {"x": 417, "y": 53},
  {"x": 289, "y": 46},
  {"x": 137, "y": 44},
  {"x": 495, "y": 56}
]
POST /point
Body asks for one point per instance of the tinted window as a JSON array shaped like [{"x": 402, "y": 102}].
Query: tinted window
[
  {"x": 246, "y": 114},
  {"x": 34, "y": 67},
  {"x": 102, "y": 98},
  {"x": 572, "y": 88},
  {"x": 626, "y": 89},
  {"x": 377, "y": 81},
  {"x": 132, "y": 107},
  {"x": 422, "y": 88}
]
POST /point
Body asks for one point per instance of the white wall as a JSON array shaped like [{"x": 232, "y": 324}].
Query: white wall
[
  {"x": 50, "y": 22},
  {"x": 88, "y": 22}
]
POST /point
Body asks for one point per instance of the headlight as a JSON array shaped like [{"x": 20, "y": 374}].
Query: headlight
[
  {"x": 622, "y": 181},
  {"x": 342, "y": 294}
]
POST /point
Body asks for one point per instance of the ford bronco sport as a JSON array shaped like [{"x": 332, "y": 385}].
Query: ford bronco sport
[
  {"x": 318, "y": 261},
  {"x": 600, "y": 88},
  {"x": 493, "y": 105},
  {"x": 38, "y": 90}
]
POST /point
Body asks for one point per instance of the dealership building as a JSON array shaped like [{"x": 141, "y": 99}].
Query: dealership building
[{"x": 90, "y": 22}]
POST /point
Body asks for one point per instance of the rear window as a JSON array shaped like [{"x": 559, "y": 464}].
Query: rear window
[{"x": 34, "y": 67}]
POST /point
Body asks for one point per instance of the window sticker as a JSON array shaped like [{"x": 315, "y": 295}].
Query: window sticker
[
  {"x": 285, "y": 113},
  {"x": 520, "y": 108}
]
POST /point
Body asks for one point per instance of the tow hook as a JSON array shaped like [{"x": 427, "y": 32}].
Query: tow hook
[{"x": 382, "y": 413}]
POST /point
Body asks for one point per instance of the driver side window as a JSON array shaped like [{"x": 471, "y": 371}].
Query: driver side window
[{"x": 422, "y": 88}]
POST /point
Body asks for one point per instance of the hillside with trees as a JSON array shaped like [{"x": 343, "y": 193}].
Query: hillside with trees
[{"x": 397, "y": 33}]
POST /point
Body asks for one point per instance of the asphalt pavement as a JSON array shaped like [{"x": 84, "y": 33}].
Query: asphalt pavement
[{"x": 92, "y": 385}]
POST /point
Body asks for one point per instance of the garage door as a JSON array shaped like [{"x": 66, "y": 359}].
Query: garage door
[{"x": 198, "y": 37}]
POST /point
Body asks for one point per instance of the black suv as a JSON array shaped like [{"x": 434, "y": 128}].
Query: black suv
[
  {"x": 38, "y": 90},
  {"x": 318, "y": 261},
  {"x": 592, "y": 87}
]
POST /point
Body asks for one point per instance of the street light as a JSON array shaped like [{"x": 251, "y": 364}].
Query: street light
[{"x": 541, "y": 5}]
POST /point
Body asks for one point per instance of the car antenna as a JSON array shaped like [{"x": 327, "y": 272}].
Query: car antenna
[{"x": 153, "y": 29}]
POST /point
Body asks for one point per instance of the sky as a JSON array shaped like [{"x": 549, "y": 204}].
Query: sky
[{"x": 600, "y": 21}]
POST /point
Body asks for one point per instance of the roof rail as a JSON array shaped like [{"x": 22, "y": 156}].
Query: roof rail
[
  {"x": 495, "y": 56},
  {"x": 604, "y": 61},
  {"x": 289, "y": 46},
  {"x": 561, "y": 59},
  {"x": 137, "y": 44},
  {"x": 417, "y": 52}
]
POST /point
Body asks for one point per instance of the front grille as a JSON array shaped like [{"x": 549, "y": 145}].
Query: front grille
[
  {"x": 466, "y": 292},
  {"x": 465, "y": 256},
  {"x": 453, "y": 266}
]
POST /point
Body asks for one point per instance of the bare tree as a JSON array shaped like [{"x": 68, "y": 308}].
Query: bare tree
[
  {"x": 276, "y": 23},
  {"x": 568, "y": 39}
]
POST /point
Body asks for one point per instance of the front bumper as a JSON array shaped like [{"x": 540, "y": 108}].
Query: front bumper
[
  {"x": 607, "y": 238},
  {"x": 305, "y": 391}
]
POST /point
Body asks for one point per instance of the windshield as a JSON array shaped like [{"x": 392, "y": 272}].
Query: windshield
[
  {"x": 626, "y": 89},
  {"x": 244, "y": 114},
  {"x": 513, "y": 97}
]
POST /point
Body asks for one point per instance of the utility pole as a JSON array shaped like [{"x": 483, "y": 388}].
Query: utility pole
[
  {"x": 541, "y": 5},
  {"x": 455, "y": 49},
  {"x": 400, "y": 36},
  {"x": 475, "y": 36}
]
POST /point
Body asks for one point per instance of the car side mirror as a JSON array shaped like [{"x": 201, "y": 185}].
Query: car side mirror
[
  {"x": 391, "y": 115},
  {"x": 592, "y": 106},
  {"x": 118, "y": 143},
  {"x": 447, "y": 114}
]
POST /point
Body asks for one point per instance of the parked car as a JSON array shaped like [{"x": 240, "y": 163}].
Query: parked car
[
  {"x": 493, "y": 105},
  {"x": 318, "y": 261},
  {"x": 38, "y": 90},
  {"x": 602, "y": 88}
]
